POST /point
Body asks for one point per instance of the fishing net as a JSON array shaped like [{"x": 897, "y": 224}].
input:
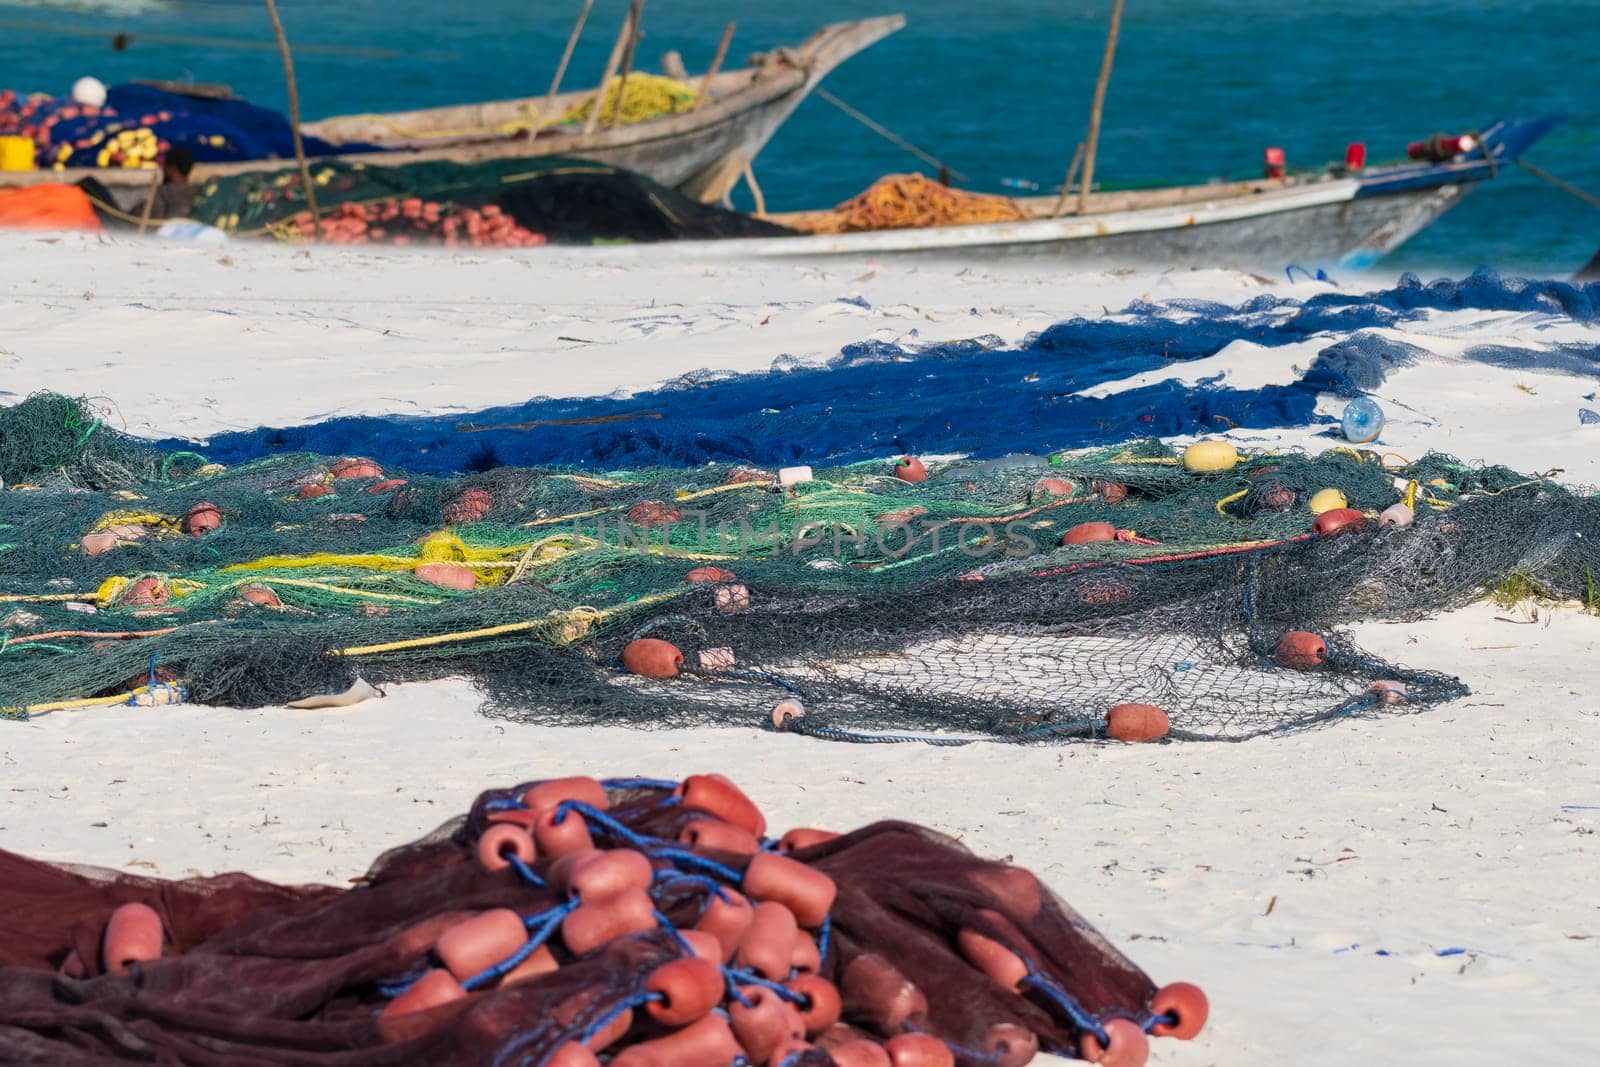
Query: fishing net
[
  {"x": 645, "y": 97},
  {"x": 139, "y": 123},
  {"x": 944, "y": 609},
  {"x": 1079, "y": 383},
  {"x": 910, "y": 201},
  {"x": 687, "y": 938},
  {"x": 563, "y": 200}
]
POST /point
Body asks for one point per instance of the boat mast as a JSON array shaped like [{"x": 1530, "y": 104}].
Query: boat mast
[{"x": 1093, "y": 141}]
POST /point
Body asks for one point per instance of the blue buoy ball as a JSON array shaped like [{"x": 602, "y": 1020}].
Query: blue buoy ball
[{"x": 1362, "y": 421}]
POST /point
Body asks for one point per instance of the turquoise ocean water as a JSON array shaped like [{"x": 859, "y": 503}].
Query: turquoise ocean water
[{"x": 1000, "y": 89}]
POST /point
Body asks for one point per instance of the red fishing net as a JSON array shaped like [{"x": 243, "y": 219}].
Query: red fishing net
[{"x": 568, "y": 923}]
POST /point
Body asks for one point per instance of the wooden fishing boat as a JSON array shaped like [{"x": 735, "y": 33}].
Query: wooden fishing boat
[
  {"x": 1344, "y": 217},
  {"x": 701, "y": 152}
]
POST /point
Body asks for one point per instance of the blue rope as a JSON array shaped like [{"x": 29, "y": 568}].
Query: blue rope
[
  {"x": 752, "y": 978},
  {"x": 639, "y": 783},
  {"x": 670, "y": 875},
  {"x": 689, "y": 859},
  {"x": 552, "y": 920},
  {"x": 593, "y": 816},
  {"x": 677, "y": 935},
  {"x": 404, "y": 982},
  {"x": 824, "y": 936},
  {"x": 504, "y": 804},
  {"x": 1074, "y": 1011},
  {"x": 524, "y": 871},
  {"x": 962, "y": 1053}
]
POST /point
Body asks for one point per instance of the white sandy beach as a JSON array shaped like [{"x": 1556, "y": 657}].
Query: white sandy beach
[{"x": 1317, "y": 885}]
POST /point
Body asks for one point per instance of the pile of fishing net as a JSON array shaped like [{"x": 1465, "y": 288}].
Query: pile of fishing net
[
  {"x": 911, "y": 201},
  {"x": 650, "y": 922},
  {"x": 563, "y": 200},
  {"x": 139, "y": 123},
  {"x": 644, "y": 97},
  {"x": 1018, "y": 599}
]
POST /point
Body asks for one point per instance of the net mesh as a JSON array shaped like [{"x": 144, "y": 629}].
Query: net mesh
[{"x": 945, "y": 609}]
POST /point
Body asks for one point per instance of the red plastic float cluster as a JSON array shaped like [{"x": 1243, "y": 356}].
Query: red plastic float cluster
[{"x": 412, "y": 220}]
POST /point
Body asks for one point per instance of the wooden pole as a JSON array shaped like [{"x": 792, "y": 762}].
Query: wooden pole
[
  {"x": 566, "y": 57},
  {"x": 1066, "y": 185},
  {"x": 294, "y": 114},
  {"x": 611, "y": 68},
  {"x": 755, "y": 190},
  {"x": 150, "y": 199},
  {"x": 1093, "y": 142},
  {"x": 627, "y": 61},
  {"x": 716, "y": 65}
]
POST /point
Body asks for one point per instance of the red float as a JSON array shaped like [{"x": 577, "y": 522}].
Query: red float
[
  {"x": 805, "y": 891},
  {"x": 133, "y": 935},
  {"x": 768, "y": 944},
  {"x": 502, "y": 840},
  {"x": 765, "y": 1023},
  {"x": 651, "y": 657},
  {"x": 202, "y": 519},
  {"x": 1301, "y": 650},
  {"x": 1136, "y": 723},
  {"x": 480, "y": 942},
  {"x": 918, "y": 1050},
  {"x": 715, "y": 795},
  {"x": 710, "y": 574},
  {"x": 1086, "y": 533},
  {"x": 589, "y": 926},
  {"x": 910, "y": 469},
  {"x": 1129, "y": 1047},
  {"x": 1187, "y": 1004},
  {"x": 719, "y": 835},
  {"x": 1338, "y": 521},
  {"x": 688, "y": 987}
]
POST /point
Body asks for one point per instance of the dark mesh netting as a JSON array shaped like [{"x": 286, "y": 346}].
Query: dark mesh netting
[
  {"x": 654, "y": 921},
  {"x": 868, "y": 606}
]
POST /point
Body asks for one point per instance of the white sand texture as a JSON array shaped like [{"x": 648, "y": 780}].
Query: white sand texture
[{"x": 1413, "y": 889}]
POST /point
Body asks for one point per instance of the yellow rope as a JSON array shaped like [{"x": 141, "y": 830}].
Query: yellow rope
[
  {"x": 683, "y": 494},
  {"x": 1225, "y": 501},
  {"x": 578, "y": 620},
  {"x": 43, "y": 598}
]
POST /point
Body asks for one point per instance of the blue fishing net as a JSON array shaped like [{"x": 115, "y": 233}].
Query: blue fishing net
[
  {"x": 72, "y": 134},
  {"x": 974, "y": 397}
]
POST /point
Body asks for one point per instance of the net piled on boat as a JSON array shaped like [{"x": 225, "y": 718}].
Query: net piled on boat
[
  {"x": 644, "y": 97},
  {"x": 654, "y": 921},
  {"x": 863, "y": 602},
  {"x": 911, "y": 201},
  {"x": 564, "y": 200}
]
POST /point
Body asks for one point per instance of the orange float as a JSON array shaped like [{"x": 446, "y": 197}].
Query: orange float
[
  {"x": 992, "y": 958},
  {"x": 688, "y": 989},
  {"x": 768, "y": 944},
  {"x": 1136, "y": 723},
  {"x": 651, "y": 657},
  {"x": 910, "y": 469},
  {"x": 708, "y": 1042},
  {"x": 719, "y": 835},
  {"x": 805, "y": 958},
  {"x": 434, "y": 989},
  {"x": 1186, "y": 1004},
  {"x": 589, "y": 926},
  {"x": 600, "y": 875},
  {"x": 1045, "y": 488},
  {"x": 559, "y": 832},
  {"x": 860, "y": 1053},
  {"x": 1128, "y": 1047},
  {"x": 765, "y": 1023},
  {"x": 480, "y": 942},
  {"x": 1301, "y": 650},
  {"x": 354, "y": 467},
  {"x": 202, "y": 519},
  {"x": 314, "y": 490},
  {"x": 471, "y": 505},
  {"x": 821, "y": 1007},
  {"x": 918, "y": 1050},
  {"x": 581, "y": 788},
  {"x": 501, "y": 841},
  {"x": 133, "y": 935},
  {"x": 875, "y": 990},
  {"x": 805, "y": 891},
  {"x": 1338, "y": 521},
  {"x": 1086, "y": 533},
  {"x": 1010, "y": 1045},
  {"x": 715, "y": 795},
  {"x": 572, "y": 1054},
  {"x": 448, "y": 575},
  {"x": 727, "y": 920},
  {"x": 710, "y": 574}
]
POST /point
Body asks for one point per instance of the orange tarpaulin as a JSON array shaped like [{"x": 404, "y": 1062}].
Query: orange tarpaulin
[{"x": 47, "y": 207}]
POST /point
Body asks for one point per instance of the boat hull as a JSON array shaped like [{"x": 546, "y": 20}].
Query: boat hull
[{"x": 1322, "y": 225}]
